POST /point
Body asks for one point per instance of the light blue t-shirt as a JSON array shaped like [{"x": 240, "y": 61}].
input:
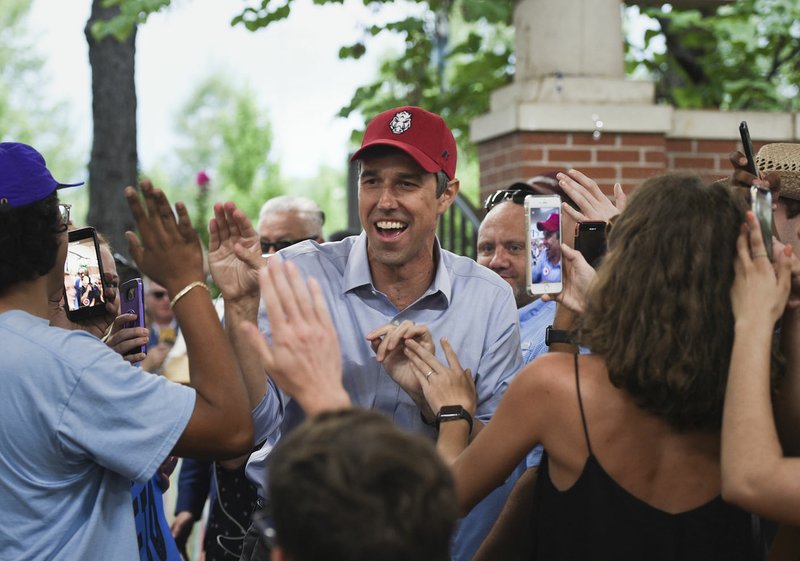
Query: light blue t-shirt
[
  {"x": 467, "y": 303},
  {"x": 77, "y": 424}
]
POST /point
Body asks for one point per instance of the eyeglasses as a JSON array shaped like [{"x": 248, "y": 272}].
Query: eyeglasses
[
  {"x": 283, "y": 244},
  {"x": 158, "y": 294},
  {"x": 516, "y": 195},
  {"x": 63, "y": 210}
]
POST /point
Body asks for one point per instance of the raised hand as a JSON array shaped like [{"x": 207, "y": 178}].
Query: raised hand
[
  {"x": 167, "y": 250},
  {"x": 303, "y": 357},
  {"x": 388, "y": 343},
  {"x": 578, "y": 277},
  {"x": 592, "y": 202},
  {"x": 760, "y": 291},
  {"x": 234, "y": 252}
]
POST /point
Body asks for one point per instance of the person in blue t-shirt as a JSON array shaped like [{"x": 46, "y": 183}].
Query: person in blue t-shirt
[{"x": 79, "y": 422}]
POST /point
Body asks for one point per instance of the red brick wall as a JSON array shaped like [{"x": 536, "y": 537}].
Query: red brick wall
[{"x": 626, "y": 158}]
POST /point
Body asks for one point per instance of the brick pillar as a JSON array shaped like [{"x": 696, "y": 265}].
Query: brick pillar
[{"x": 695, "y": 142}]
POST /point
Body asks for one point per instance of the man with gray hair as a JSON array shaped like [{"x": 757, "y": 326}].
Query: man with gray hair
[{"x": 288, "y": 219}]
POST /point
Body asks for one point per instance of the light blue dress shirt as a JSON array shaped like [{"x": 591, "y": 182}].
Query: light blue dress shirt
[
  {"x": 533, "y": 321},
  {"x": 467, "y": 303}
]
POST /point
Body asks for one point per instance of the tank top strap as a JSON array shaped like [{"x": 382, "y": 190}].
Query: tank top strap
[{"x": 580, "y": 405}]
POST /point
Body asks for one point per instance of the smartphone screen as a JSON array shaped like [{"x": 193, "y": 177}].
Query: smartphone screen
[
  {"x": 132, "y": 302},
  {"x": 590, "y": 240},
  {"x": 543, "y": 217},
  {"x": 84, "y": 291},
  {"x": 747, "y": 146},
  {"x": 761, "y": 204}
]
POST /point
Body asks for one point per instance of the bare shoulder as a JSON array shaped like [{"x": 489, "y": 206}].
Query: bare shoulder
[{"x": 546, "y": 383}]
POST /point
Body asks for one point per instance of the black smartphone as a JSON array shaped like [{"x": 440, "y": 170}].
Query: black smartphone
[
  {"x": 84, "y": 291},
  {"x": 761, "y": 204},
  {"x": 590, "y": 240},
  {"x": 132, "y": 302},
  {"x": 747, "y": 146}
]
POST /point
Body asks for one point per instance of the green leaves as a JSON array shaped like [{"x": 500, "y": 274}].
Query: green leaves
[{"x": 745, "y": 56}]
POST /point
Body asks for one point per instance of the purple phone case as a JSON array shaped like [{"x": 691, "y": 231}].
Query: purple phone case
[{"x": 132, "y": 302}]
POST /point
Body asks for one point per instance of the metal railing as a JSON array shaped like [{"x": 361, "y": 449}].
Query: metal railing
[{"x": 458, "y": 228}]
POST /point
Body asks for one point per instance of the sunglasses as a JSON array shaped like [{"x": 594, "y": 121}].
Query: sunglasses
[
  {"x": 158, "y": 294},
  {"x": 63, "y": 211},
  {"x": 283, "y": 244},
  {"x": 516, "y": 195}
]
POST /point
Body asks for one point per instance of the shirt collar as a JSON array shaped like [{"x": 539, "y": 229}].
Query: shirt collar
[{"x": 357, "y": 273}]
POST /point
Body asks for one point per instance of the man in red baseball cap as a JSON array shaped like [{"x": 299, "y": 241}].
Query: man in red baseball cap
[{"x": 392, "y": 283}]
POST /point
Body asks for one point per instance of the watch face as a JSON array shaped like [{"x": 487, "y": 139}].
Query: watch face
[{"x": 450, "y": 410}]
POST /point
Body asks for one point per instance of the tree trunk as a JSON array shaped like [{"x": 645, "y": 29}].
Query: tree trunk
[{"x": 114, "y": 157}]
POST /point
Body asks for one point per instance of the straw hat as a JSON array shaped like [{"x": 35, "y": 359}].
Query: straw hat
[{"x": 783, "y": 158}]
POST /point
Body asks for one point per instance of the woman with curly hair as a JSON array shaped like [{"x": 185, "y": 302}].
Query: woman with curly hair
[{"x": 632, "y": 430}]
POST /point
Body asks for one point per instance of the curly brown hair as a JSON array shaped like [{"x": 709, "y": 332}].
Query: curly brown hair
[{"x": 660, "y": 311}]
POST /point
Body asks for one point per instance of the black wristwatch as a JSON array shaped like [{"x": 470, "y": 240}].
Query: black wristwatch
[
  {"x": 453, "y": 413},
  {"x": 556, "y": 336}
]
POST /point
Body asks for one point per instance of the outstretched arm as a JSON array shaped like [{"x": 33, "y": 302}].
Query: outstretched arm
[
  {"x": 234, "y": 258},
  {"x": 755, "y": 474},
  {"x": 169, "y": 252},
  {"x": 303, "y": 357}
]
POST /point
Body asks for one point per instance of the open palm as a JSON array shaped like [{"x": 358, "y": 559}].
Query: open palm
[{"x": 234, "y": 252}]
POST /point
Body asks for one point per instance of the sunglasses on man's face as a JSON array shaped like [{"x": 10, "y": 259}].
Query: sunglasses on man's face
[
  {"x": 515, "y": 195},
  {"x": 283, "y": 244}
]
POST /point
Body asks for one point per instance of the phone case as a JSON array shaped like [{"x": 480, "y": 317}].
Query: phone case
[
  {"x": 590, "y": 240},
  {"x": 84, "y": 289},
  {"x": 132, "y": 302},
  {"x": 761, "y": 205},
  {"x": 543, "y": 221}
]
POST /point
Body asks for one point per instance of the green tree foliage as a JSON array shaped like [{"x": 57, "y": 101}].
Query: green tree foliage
[
  {"x": 25, "y": 114},
  {"x": 744, "y": 55},
  {"x": 226, "y": 134},
  {"x": 27, "y": 111}
]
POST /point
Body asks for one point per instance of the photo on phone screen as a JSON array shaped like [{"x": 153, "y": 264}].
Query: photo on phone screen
[
  {"x": 590, "y": 240},
  {"x": 132, "y": 302},
  {"x": 761, "y": 205},
  {"x": 543, "y": 217},
  {"x": 747, "y": 146},
  {"x": 84, "y": 292}
]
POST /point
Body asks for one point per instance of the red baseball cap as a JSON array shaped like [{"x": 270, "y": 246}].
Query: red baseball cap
[
  {"x": 549, "y": 225},
  {"x": 419, "y": 133}
]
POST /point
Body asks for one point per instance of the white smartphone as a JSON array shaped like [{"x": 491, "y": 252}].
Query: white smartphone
[
  {"x": 761, "y": 204},
  {"x": 543, "y": 220}
]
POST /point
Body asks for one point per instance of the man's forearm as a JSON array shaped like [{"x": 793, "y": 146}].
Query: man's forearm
[{"x": 238, "y": 312}]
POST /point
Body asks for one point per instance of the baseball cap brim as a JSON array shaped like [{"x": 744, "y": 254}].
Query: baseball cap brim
[
  {"x": 416, "y": 154},
  {"x": 65, "y": 185}
]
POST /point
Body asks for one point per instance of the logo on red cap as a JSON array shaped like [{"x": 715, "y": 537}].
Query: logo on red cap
[{"x": 401, "y": 122}]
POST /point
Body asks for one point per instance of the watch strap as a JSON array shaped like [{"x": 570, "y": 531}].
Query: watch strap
[
  {"x": 556, "y": 336},
  {"x": 453, "y": 413}
]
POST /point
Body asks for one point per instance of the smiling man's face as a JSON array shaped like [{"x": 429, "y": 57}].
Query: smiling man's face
[{"x": 398, "y": 208}]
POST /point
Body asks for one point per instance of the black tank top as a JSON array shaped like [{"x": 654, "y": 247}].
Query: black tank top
[{"x": 597, "y": 519}]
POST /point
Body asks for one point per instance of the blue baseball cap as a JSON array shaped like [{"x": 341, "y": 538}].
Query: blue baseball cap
[{"x": 24, "y": 177}]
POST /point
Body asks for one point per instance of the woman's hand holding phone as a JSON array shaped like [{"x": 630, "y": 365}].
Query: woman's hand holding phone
[
  {"x": 124, "y": 340},
  {"x": 760, "y": 289},
  {"x": 578, "y": 278}
]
